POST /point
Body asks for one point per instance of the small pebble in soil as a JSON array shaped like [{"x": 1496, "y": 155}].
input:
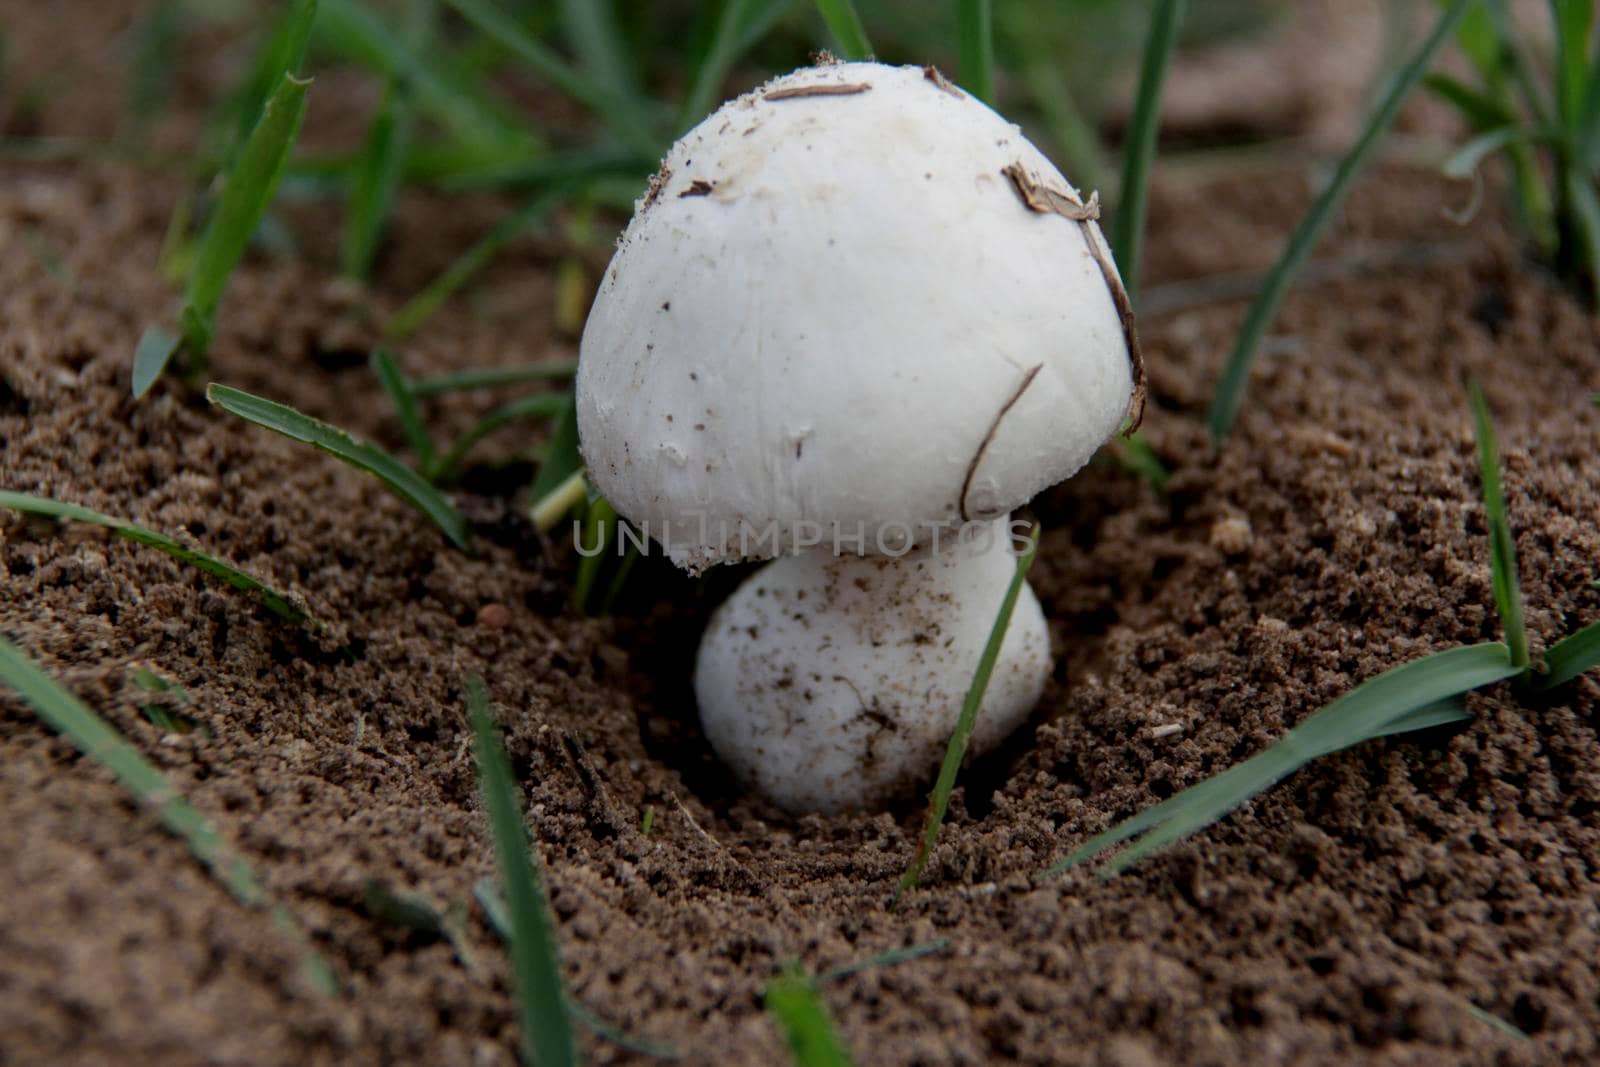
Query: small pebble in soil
[
  {"x": 494, "y": 616},
  {"x": 1231, "y": 535}
]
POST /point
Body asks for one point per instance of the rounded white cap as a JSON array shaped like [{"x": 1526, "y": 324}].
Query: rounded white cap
[{"x": 853, "y": 297}]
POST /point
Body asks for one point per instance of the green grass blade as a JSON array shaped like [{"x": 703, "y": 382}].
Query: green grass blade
[
  {"x": 1588, "y": 131},
  {"x": 1075, "y": 136},
  {"x": 491, "y": 377},
  {"x": 95, "y": 738},
  {"x": 1482, "y": 111},
  {"x": 1127, "y": 231},
  {"x": 845, "y": 26},
  {"x": 1406, "y": 697},
  {"x": 156, "y": 348},
  {"x": 599, "y": 530},
  {"x": 1230, "y": 390},
  {"x": 1444, "y": 713},
  {"x": 244, "y": 201},
  {"x": 157, "y": 36},
  {"x": 564, "y": 459},
  {"x": 405, "y": 482},
  {"x": 1364, "y": 711},
  {"x": 1502, "y": 545},
  {"x": 351, "y": 29},
  {"x": 1469, "y": 156},
  {"x": 1138, "y": 458},
  {"x": 543, "y": 405},
  {"x": 1574, "y": 23},
  {"x": 282, "y": 54},
  {"x": 886, "y": 959},
  {"x": 499, "y": 917},
  {"x": 378, "y": 174},
  {"x": 535, "y": 958},
  {"x": 280, "y": 604},
  {"x": 625, "y": 117},
  {"x": 975, "y": 47},
  {"x": 548, "y": 509},
  {"x": 1585, "y": 203},
  {"x": 591, "y": 29},
  {"x": 1495, "y": 1022},
  {"x": 793, "y": 1002},
  {"x": 405, "y": 406},
  {"x": 418, "y": 309},
  {"x": 713, "y": 68},
  {"x": 1571, "y": 656},
  {"x": 956, "y": 750}
]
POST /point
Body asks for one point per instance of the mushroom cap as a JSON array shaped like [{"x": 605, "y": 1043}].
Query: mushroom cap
[
  {"x": 836, "y": 306},
  {"x": 833, "y": 682}
]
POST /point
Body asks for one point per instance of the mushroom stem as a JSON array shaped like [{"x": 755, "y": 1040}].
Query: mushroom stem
[{"x": 830, "y": 682}]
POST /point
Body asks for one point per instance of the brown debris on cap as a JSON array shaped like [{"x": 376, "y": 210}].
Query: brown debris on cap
[
  {"x": 936, "y": 76},
  {"x": 825, "y": 89},
  {"x": 698, "y": 187},
  {"x": 1042, "y": 199}
]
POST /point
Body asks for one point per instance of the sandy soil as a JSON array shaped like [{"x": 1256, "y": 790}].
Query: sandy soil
[{"x": 1357, "y": 913}]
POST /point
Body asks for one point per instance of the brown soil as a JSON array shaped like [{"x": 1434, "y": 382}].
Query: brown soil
[{"x": 1354, "y": 914}]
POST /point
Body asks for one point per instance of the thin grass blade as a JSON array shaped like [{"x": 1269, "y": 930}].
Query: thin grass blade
[
  {"x": 1574, "y": 23},
  {"x": 1236, "y": 375},
  {"x": 156, "y": 38},
  {"x": 536, "y": 962},
  {"x": 545, "y": 405},
  {"x": 420, "y": 307},
  {"x": 1127, "y": 231},
  {"x": 713, "y": 68},
  {"x": 1502, "y": 545},
  {"x": 591, "y": 28},
  {"x": 405, "y": 482},
  {"x": 886, "y": 959},
  {"x": 956, "y": 750},
  {"x": 1480, "y": 109},
  {"x": 96, "y": 739},
  {"x": 564, "y": 459},
  {"x": 547, "y": 510},
  {"x": 355, "y": 31},
  {"x": 1444, "y": 713},
  {"x": 499, "y": 917},
  {"x": 845, "y": 27},
  {"x": 1495, "y": 1022},
  {"x": 1467, "y": 158},
  {"x": 1571, "y": 656},
  {"x": 1409, "y": 694},
  {"x": 280, "y": 604},
  {"x": 282, "y": 54},
  {"x": 378, "y": 174},
  {"x": 491, "y": 377},
  {"x": 975, "y": 47},
  {"x": 244, "y": 201},
  {"x": 1363, "y": 712},
  {"x": 405, "y": 406},
  {"x": 155, "y": 350},
  {"x": 793, "y": 1002},
  {"x": 624, "y": 116},
  {"x": 599, "y": 530},
  {"x": 1585, "y": 202}
]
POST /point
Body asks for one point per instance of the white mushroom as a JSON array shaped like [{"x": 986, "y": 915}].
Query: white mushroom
[
  {"x": 853, "y": 295},
  {"x": 856, "y": 310},
  {"x": 833, "y": 682}
]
